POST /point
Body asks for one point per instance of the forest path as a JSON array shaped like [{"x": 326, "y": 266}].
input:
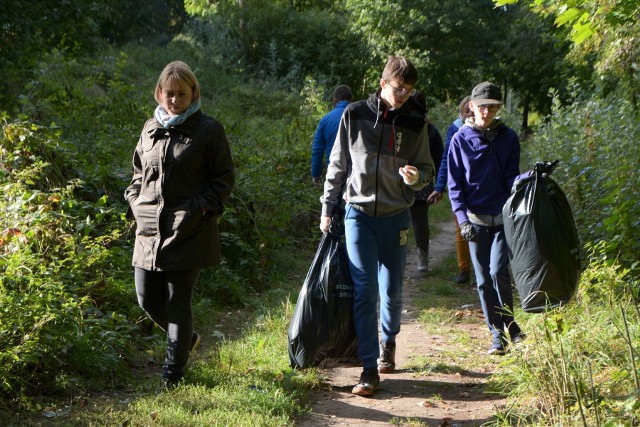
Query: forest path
[{"x": 451, "y": 388}]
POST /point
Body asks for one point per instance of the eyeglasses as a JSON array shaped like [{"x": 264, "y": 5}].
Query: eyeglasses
[
  {"x": 491, "y": 107},
  {"x": 401, "y": 91}
]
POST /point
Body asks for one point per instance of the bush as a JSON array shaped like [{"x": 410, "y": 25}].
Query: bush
[
  {"x": 595, "y": 143},
  {"x": 578, "y": 360}
]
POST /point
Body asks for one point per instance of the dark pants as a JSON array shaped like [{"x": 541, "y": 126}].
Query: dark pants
[
  {"x": 166, "y": 297},
  {"x": 490, "y": 257},
  {"x": 419, "y": 212}
]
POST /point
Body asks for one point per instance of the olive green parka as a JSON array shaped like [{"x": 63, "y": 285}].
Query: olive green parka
[{"x": 182, "y": 176}]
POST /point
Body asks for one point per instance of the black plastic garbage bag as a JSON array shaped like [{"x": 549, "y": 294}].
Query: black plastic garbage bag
[
  {"x": 322, "y": 323},
  {"x": 543, "y": 241}
]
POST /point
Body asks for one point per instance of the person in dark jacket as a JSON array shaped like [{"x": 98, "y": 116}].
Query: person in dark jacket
[
  {"x": 379, "y": 160},
  {"x": 182, "y": 176},
  {"x": 419, "y": 211},
  {"x": 484, "y": 162},
  {"x": 462, "y": 246},
  {"x": 326, "y": 132}
]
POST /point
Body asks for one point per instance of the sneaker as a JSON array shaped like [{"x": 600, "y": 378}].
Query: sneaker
[
  {"x": 518, "y": 338},
  {"x": 497, "y": 348},
  {"x": 369, "y": 382},
  {"x": 195, "y": 342},
  {"x": 387, "y": 359},
  {"x": 462, "y": 278}
]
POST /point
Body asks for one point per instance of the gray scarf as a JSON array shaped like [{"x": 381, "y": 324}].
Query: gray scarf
[{"x": 167, "y": 121}]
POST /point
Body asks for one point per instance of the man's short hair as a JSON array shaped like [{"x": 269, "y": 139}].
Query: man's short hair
[
  {"x": 401, "y": 69},
  {"x": 342, "y": 93}
]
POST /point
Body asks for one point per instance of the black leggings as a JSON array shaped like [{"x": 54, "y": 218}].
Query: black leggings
[{"x": 166, "y": 297}]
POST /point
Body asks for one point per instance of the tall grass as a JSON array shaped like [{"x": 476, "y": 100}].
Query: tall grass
[{"x": 580, "y": 365}]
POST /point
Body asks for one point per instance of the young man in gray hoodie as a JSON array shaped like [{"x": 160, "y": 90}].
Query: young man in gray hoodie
[{"x": 379, "y": 160}]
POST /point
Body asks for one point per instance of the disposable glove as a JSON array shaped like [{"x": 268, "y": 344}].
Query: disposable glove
[
  {"x": 325, "y": 222},
  {"x": 467, "y": 231}
]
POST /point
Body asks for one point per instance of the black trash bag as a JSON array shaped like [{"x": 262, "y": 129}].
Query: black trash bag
[
  {"x": 322, "y": 324},
  {"x": 543, "y": 241}
]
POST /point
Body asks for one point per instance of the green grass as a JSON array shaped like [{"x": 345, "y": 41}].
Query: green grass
[{"x": 241, "y": 375}]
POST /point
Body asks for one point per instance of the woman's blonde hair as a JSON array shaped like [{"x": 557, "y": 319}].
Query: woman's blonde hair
[{"x": 173, "y": 73}]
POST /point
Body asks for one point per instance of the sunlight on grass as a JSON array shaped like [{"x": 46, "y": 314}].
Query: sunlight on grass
[
  {"x": 425, "y": 365},
  {"x": 245, "y": 381},
  {"x": 406, "y": 422},
  {"x": 577, "y": 365}
]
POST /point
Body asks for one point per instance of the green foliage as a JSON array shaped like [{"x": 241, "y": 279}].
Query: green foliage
[
  {"x": 595, "y": 143},
  {"x": 27, "y": 32},
  {"x": 279, "y": 41},
  {"x": 581, "y": 360},
  {"x": 241, "y": 382},
  {"x": 66, "y": 239},
  {"x": 604, "y": 34},
  {"x": 58, "y": 269}
]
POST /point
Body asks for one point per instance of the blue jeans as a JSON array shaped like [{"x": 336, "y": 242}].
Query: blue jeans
[
  {"x": 377, "y": 249},
  {"x": 490, "y": 257},
  {"x": 166, "y": 297}
]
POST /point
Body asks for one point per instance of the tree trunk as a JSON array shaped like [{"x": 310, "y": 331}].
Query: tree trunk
[{"x": 525, "y": 115}]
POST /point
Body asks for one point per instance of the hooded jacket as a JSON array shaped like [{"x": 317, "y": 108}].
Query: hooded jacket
[
  {"x": 372, "y": 144},
  {"x": 483, "y": 164},
  {"x": 325, "y": 136},
  {"x": 182, "y": 176}
]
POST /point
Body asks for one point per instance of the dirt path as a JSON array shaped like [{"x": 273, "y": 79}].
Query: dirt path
[{"x": 453, "y": 393}]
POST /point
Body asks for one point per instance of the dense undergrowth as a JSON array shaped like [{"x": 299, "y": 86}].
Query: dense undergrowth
[
  {"x": 65, "y": 247},
  {"x": 69, "y": 319},
  {"x": 580, "y": 366}
]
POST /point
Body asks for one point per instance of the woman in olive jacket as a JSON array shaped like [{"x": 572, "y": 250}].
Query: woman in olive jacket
[{"x": 182, "y": 176}]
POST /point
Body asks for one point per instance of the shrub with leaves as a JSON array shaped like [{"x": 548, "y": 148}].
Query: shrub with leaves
[
  {"x": 579, "y": 364},
  {"x": 595, "y": 141},
  {"x": 60, "y": 269}
]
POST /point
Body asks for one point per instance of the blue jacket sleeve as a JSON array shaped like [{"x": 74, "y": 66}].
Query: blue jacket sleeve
[
  {"x": 456, "y": 176},
  {"x": 441, "y": 181},
  {"x": 317, "y": 151}
]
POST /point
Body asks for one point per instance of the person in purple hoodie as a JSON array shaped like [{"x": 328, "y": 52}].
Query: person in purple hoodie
[{"x": 483, "y": 160}]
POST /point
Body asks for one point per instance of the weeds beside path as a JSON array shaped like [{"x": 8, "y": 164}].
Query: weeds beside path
[
  {"x": 442, "y": 365},
  {"x": 243, "y": 378}
]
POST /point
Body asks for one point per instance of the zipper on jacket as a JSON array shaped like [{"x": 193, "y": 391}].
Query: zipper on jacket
[{"x": 375, "y": 204}]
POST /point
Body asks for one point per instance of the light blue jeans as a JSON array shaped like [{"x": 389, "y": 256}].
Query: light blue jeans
[
  {"x": 490, "y": 257},
  {"x": 377, "y": 249}
]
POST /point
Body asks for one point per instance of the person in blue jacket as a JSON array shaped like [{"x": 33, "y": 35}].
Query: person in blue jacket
[
  {"x": 326, "y": 132},
  {"x": 419, "y": 211},
  {"x": 462, "y": 246},
  {"x": 484, "y": 159}
]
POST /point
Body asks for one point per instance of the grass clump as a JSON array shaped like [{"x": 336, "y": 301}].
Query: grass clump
[{"x": 579, "y": 364}]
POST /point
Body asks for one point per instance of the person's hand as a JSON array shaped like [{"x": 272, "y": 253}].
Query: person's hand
[
  {"x": 325, "y": 221},
  {"x": 467, "y": 231},
  {"x": 317, "y": 181},
  {"x": 434, "y": 198},
  {"x": 409, "y": 174}
]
